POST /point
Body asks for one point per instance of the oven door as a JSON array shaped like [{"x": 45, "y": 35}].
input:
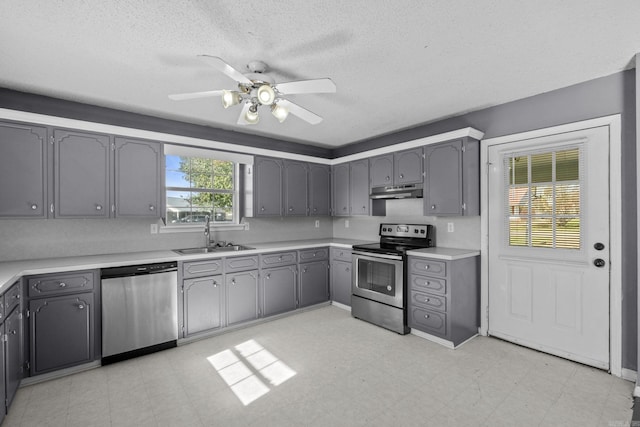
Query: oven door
[{"x": 378, "y": 277}]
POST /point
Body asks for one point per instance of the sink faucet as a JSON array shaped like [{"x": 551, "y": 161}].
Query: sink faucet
[{"x": 207, "y": 231}]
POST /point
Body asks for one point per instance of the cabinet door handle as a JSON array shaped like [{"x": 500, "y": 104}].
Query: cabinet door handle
[
  {"x": 262, "y": 209},
  {"x": 433, "y": 206},
  {"x": 34, "y": 207},
  {"x": 81, "y": 306},
  {"x": 98, "y": 207},
  {"x": 401, "y": 176},
  {"x": 290, "y": 209},
  {"x": 268, "y": 276},
  {"x": 346, "y": 269},
  {"x": 152, "y": 208},
  {"x": 426, "y": 316},
  {"x": 387, "y": 178},
  {"x": 315, "y": 209},
  {"x": 426, "y": 267},
  {"x": 13, "y": 332},
  {"x": 233, "y": 281}
]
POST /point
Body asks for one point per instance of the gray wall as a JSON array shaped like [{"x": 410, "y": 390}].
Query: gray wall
[{"x": 614, "y": 94}]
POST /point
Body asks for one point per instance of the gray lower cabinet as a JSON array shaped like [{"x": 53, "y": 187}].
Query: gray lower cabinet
[
  {"x": 241, "y": 296},
  {"x": 203, "y": 298},
  {"x": 278, "y": 286},
  {"x": 82, "y": 174},
  {"x": 314, "y": 283},
  {"x": 444, "y": 297},
  {"x": 64, "y": 320},
  {"x": 12, "y": 361},
  {"x": 23, "y": 170},
  {"x": 452, "y": 178},
  {"x": 340, "y": 269},
  {"x": 138, "y": 182},
  {"x": 313, "y": 276},
  {"x": 62, "y": 332}
]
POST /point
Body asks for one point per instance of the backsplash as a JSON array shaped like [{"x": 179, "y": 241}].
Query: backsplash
[
  {"x": 34, "y": 239},
  {"x": 466, "y": 234}
]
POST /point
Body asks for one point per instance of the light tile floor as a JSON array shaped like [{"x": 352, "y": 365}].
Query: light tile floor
[{"x": 330, "y": 370}]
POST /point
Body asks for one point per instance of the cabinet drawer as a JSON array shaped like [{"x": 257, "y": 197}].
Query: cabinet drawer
[
  {"x": 12, "y": 298},
  {"x": 240, "y": 263},
  {"x": 429, "y": 284},
  {"x": 201, "y": 268},
  {"x": 280, "y": 258},
  {"x": 427, "y": 266},
  {"x": 315, "y": 254},
  {"x": 432, "y": 302},
  {"x": 61, "y": 284},
  {"x": 428, "y": 321},
  {"x": 340, "y": 254}
]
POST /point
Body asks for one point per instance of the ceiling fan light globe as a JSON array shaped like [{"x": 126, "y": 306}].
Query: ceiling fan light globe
[
  {"x": 252, "y": 117},
  {"x": 230, "y": 98},
  {"x": 279, "y": 112},
  {"x": 266, "y": 95}
]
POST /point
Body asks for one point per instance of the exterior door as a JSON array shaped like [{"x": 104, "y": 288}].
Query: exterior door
[{"x": 549, "y": 244}]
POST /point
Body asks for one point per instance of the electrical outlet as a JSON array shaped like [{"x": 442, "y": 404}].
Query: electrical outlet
[
  {"x": 450, "y": 227},
  {"x": 317, "y": 223},
  {"x": 346, "y": 223},
  {"x": 153, "y": 228}
]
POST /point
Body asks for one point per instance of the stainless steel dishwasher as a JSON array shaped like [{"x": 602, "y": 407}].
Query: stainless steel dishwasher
[{"x": 139, "y": 310}]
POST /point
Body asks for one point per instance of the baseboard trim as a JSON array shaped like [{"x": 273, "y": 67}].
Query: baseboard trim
[
  {"x": 342, "y": 306},
  {"x": 629, "y": 375},
  {"x": 59, "y": 373}
]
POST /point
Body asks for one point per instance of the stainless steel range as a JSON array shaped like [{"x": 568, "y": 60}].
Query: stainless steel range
[{"x": 379, "y": 274}]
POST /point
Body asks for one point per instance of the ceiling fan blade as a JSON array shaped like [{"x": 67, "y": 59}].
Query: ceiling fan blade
[
  {"x": 245, "y": 108},
  {"x": 227, "y": 69},
  {"x": 301, "y": 112},
  {"x": 307, "y": 86},
  {"x": 194, "y": 95}
]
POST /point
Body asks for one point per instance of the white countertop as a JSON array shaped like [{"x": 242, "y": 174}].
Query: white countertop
[
  {"x": 11, "y": 271},
  {"x": 448, "y": 254}
]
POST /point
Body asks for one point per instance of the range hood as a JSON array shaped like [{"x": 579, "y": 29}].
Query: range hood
[{"x": 412, "y": 191}]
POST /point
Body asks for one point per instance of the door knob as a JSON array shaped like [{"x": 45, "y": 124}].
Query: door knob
[
  {"x": 599, "y": 262},
  {"x": 598, "y": 246}
]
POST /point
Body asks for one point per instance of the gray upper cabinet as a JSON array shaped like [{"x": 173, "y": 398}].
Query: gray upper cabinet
[
  {"x": 23, "y": 170},
  {"x": 359, "y": 187},
  {"x": 82, "y": 172},
  {"x": 138, "y": 175},
  {"x": 267, "y": 175},
  {"x": 295, "y": 188},
  {"x": 341, "y": 189},
  {"x": 319, "y": 189},
  {"x": 381, "y": 170},
  {"x": 452, "y": 183},
  {"x": 408, "y": 166},
  {"x": 403, "y": 167}
]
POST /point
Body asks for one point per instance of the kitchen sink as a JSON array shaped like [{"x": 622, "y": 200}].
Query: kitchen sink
[{"x": 212, "y": 249}]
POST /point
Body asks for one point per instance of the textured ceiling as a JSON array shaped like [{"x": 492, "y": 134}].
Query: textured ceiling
[{"x": 397, "y": 64}]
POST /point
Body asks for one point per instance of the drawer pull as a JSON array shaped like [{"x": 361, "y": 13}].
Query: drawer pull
[
  {"x": 426, "y": 267},
  {"x": 62, "y": 285},
  {"x": 34, "y": 207},
  {"x": 81, "y": 306},
  {"x": 427, "y": 299},
  {"x": 426, "y": 316}
]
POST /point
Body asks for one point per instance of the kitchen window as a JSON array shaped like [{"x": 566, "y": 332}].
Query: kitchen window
[{"x": 202, "y": 183}]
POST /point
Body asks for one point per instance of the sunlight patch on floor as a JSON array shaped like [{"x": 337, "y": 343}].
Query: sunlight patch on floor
[{"x": 247, "y": 367}]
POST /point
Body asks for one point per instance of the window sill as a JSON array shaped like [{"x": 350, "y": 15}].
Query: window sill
[{"x": 199, "y": 228}]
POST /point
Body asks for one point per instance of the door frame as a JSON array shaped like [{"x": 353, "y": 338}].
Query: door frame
[{"x": 613, "y": 122}]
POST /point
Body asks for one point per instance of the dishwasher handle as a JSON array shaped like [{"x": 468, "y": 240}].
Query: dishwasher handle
[{"x": 138, "y": 270}]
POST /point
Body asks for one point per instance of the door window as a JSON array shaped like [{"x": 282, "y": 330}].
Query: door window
[{"x": 543, "y": 198}]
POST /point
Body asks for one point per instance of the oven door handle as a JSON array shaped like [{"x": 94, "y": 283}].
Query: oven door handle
[{"x": 372, "y": 255}]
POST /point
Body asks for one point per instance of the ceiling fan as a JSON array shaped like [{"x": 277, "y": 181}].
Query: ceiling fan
[{"x": 256, "y": 89}]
